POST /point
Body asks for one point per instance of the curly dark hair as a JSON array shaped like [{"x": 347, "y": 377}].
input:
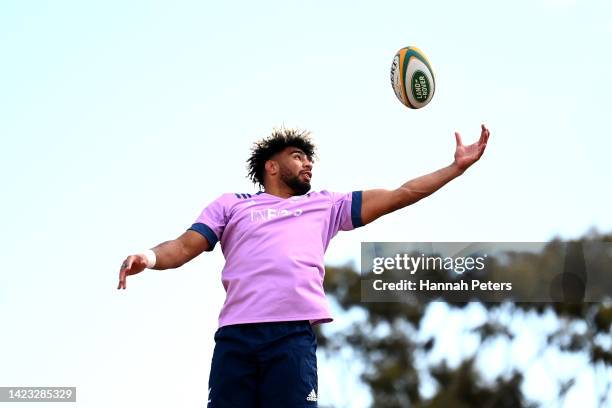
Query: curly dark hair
[{"x": 280, "y": 139}]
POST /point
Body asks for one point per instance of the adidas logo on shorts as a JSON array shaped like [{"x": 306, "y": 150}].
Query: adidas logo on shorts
[{"x": 312, "y": 396}]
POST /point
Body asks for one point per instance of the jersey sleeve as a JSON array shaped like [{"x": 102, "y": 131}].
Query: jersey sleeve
[
  {"x": 345, "y": 211},
  {"x": 212, "y": 221}
]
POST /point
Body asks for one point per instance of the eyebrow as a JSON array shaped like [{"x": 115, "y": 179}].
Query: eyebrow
[{"x": 301, "y": 153}]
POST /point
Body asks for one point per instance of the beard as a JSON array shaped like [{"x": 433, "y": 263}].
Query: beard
[{"x": 298, "y": 186}]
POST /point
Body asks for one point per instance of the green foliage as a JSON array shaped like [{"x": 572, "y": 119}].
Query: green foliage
[{"x": 393, "y": 375}]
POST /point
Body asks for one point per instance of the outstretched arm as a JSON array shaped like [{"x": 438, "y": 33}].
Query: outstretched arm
[
  {"x": 168, "y": 255},
  {"x": 376, "y": 203}
]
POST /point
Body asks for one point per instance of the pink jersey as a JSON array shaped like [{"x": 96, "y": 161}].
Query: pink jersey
[{"x": 273, "y": 250}]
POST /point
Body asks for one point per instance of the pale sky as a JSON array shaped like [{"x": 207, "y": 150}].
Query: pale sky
[{"x": 120, "y": 121}]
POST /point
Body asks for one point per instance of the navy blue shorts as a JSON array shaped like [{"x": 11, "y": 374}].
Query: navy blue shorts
[{"x": 264, "y": 365}]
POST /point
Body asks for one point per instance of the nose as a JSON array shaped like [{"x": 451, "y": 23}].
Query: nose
[{"x": 308, "y": 163}]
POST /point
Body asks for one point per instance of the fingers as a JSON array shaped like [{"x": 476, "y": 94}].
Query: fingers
[
  {"x": 483, "y": 134},
  {"x": 132, "y": 265},
  {"x": 121, "y": 280},
  {"x": 484, "y": 138},
  {"x": 458, "y": 139},
  {"x": 123, "y": 271}
]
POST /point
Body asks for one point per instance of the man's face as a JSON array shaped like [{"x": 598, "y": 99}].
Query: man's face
[{"x": 295, "y": 170}]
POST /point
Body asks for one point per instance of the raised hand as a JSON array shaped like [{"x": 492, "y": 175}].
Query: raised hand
[{"x": 465, "y": 156}]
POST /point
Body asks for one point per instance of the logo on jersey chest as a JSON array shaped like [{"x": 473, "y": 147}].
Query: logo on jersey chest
[{"x": 267, "y": 214}]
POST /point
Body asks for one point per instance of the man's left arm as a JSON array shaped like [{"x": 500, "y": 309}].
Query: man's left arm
[{"x": 378, "y": 202}]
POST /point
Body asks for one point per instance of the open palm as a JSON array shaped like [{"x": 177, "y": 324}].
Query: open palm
[{"x": 465, "y": 156}]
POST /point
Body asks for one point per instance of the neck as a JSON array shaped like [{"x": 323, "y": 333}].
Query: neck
[{"x": 278, "y": 191}]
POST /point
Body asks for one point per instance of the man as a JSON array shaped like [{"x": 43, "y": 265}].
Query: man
[{"x": 273, "y": 243}]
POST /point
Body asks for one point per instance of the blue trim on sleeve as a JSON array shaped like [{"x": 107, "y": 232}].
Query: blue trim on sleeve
[
  {"x": 356, "y": 209},
  {"x": 206, "y": 232}
]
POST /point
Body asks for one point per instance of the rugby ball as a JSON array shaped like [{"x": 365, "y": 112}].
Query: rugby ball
[{"x": 412, "y": 78}]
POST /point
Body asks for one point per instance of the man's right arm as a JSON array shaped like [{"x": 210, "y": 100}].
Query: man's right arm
[
  {"x": 175, "y": 253},
  {"x": 168, "y": 255}
]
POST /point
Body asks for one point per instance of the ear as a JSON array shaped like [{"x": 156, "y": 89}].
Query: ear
[{"x": 271, "y": 167}]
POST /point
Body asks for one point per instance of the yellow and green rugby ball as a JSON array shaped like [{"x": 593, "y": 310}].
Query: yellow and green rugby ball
[{"x": 412, "y": 78}]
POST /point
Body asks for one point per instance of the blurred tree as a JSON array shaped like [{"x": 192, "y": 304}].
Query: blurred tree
[{"x": 386, "y": 342}]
